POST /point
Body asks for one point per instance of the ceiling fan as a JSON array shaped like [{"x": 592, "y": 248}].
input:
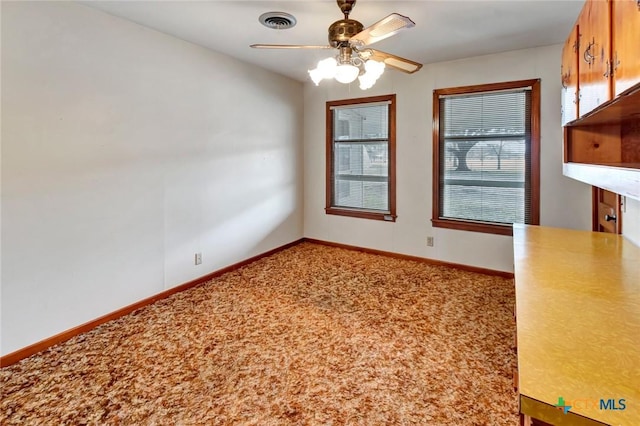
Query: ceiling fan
[{"x": 355, "y": 58}]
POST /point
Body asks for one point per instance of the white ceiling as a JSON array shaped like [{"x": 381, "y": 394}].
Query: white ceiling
[{"x": 445, "y": 29}]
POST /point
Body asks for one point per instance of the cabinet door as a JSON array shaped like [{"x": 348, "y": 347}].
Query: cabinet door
[
  {"x": 594, "y": 54},
  {"x": 606, "y": 211},
  {"x": 569, "y": 75},
  {"x": 626, "y": 41}
]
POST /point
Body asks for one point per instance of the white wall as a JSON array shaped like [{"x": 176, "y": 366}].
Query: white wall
[
  {"x": 564, "y": 202},
  {"x": 125, "y": 152},
  {"x": 631, "y": 220}
]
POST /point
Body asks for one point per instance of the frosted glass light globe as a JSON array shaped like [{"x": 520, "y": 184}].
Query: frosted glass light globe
[
  {"x": 316, "y": 76},
  {"x": 327, "y": 67},
  {"x": 373, "y": 71},
  {"x": 375, "y": 68},
  {"x": 346, "y": 73},
  {"x": 325, "y": 70}
]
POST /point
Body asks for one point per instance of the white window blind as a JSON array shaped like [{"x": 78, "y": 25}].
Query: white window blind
[{"x": 485, "y": 156}]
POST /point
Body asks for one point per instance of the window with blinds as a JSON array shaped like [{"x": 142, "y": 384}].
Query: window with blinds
[
  {"x": 360, "y": 144},
  {"x": 487, "y": 150}
]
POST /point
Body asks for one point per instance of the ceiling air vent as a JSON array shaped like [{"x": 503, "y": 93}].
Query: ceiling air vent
[{"x": 277, "y": 20}]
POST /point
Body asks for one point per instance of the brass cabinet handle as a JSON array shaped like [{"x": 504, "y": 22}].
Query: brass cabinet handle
[
  {"x": 612, "y": 66},
  {"x": 588, "y": 56},
  {"x": 565, "y": 77}
]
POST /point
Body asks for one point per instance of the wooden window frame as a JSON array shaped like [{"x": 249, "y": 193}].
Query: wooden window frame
[
  {"x": 533, "y": 177},
  {"x": 389, "y": 216}
]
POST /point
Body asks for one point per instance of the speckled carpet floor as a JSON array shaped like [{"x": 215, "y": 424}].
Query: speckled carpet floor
[{"x": 313, "y": 335}]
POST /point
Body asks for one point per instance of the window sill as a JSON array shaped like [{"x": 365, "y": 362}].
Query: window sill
[
  {"x": 362, "y": 214},
  {"x": 462, "y": 225}
]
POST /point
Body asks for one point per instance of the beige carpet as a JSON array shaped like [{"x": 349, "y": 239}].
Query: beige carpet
[{"x": 312, "y": 335}]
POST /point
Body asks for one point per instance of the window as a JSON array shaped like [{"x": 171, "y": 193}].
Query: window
[
  {"x": 486, "y": 150},
  {"x": 361, "y": 158}
]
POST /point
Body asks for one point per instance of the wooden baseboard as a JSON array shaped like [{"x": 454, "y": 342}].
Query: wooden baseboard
[
  {"x": 468, "y": 268},
  {"x": 27, "y": 351}
]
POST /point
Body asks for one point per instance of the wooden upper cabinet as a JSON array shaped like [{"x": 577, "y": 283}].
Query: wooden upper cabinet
[
  {"x": 602, "y": 145},
  {"x": 569, "y": 76},
  {"x": 625, "y": 24},
  {"x": 594, "y": 54}
]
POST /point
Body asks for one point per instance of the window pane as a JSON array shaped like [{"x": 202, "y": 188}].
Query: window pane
[
  {"x": 361, "y": 176},
  {"x": 367, "y": 122},
  {"x": 486, "y": 159},
  {"x": 370, "y": 159},
  {"x": 362, "y": 195},
  {"x": 484, "y": 180},
  {"x": 484, "y": 204},
  {"x": 485, "y": 114}
]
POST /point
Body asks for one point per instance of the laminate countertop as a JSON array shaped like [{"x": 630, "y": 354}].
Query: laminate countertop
[{"x": 578, "y": 326}]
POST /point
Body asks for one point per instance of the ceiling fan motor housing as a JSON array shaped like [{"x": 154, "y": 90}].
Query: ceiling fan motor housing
[{"x": 341, "y": 31}]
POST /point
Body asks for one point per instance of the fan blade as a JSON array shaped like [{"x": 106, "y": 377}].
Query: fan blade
[
  {"x": 288, "y": 46},
  {"x": 401, "y": 64},
  {"x": 382, "y": 29}
]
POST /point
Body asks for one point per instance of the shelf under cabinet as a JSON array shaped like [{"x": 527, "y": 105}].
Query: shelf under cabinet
[{"x": 621, "y": 178}]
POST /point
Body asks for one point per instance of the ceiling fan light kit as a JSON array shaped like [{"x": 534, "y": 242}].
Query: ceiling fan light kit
[
  {"x": 355, "y": 60},
  {"x": 367, "y": 72}
]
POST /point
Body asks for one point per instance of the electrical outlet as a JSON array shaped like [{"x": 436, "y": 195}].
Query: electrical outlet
[
  {"x": 430, "y": 241},
  {"x": 198, "y": 258}
]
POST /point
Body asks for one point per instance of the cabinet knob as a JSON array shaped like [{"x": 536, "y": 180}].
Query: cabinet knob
[{"x": 610, "y": 218}]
